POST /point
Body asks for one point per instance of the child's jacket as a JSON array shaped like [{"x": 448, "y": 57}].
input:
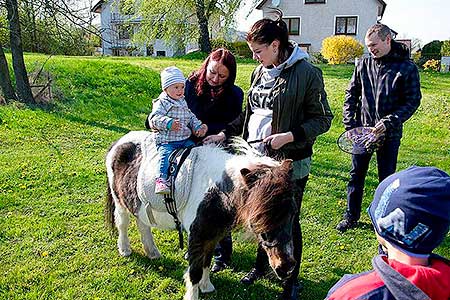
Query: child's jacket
[
  {"x": 392, "y": 280},
  {"x": 165, "y": 111}
]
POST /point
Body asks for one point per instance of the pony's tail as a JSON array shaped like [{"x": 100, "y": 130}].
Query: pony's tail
[{"x": 109, "y": 209}]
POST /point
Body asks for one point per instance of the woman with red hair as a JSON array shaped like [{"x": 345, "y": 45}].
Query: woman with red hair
[
  {"x": 211, "y": 93},
  {"x": 213, "y": 97}
]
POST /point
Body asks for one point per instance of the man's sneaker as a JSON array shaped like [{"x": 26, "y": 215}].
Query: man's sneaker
[
  {"x": 161, "y": 187},
  {"x": 345, "y": 225},
  {"x": 252, "y": 276}
]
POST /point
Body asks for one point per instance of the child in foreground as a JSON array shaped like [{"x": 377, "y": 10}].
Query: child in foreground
[{"x": 411, "y": 216}]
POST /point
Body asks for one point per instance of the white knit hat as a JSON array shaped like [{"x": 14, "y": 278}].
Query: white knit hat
[{"x": 171, "y": 75}]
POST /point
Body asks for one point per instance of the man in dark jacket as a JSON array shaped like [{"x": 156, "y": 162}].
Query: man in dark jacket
[{"x": 383, "y": 93}]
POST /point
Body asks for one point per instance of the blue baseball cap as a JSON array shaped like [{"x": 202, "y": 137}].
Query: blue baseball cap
[{"x": 411, "y": 209}]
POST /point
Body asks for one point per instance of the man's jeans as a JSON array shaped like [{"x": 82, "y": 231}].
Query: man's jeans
[{"x": 386, "y": 162}]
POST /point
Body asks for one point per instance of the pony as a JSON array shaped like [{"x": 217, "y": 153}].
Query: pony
[{"x": 215, "y": 192}]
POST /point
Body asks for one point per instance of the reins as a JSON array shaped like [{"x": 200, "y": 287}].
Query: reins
[{"x": 169, "y": 199}]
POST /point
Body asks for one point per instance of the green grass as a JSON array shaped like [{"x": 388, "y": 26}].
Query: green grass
[{"x": 53, "y": 241}]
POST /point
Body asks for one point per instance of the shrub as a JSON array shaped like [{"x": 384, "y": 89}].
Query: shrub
[
  {"x": 241, "y": 49},
  {"x": 220, "y": 43},
  {"x": 340, "y": 49},
  {"x": 317, "y": 58},
  {"x": 416, "y": 56},
  {"x": 195, "y": 55},
  {"x": 432, "y": 65},
  {"x": 445, "y": 49}
]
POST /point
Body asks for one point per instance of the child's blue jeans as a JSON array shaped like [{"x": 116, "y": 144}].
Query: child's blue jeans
[{"x": 165, "y": 150}]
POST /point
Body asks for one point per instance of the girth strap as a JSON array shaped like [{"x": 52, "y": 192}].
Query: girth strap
[{"x": 169, "y": 200}]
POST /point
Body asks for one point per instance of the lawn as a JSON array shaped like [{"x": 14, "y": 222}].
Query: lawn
[{"x": 53, "y": 240}]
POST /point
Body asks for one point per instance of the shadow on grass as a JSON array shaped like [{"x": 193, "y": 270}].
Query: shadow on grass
[
  {"x": 165, "y": 266},
  {"x": 97, "y": 124}
]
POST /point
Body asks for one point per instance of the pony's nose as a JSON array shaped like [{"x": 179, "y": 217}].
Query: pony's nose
[{"x": 285, "y": 270}]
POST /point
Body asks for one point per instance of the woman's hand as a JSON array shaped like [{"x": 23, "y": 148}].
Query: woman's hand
[
  {"x": 278, "y": 140},
  {"x": 215, "y": 138}
]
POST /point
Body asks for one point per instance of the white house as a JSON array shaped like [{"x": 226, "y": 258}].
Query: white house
[
  {"x": 117, "y": 29},
  {"x": 311, "y": 21}
]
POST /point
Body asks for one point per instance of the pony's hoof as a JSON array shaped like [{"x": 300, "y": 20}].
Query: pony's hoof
[
  {"x": 125, "y": 252},
  {"x": 207, "y": 288},
  {"x": 153, "y": 254}
]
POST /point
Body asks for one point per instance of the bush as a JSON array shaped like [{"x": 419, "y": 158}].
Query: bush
[
  {"x": 317, "y": 58},
  {"x": 445, "y": 49},
  {"x": 195, "y": 55},
  {"x": 241, "y": 50},
  {"x": 220, "y": 43},
  {"x": 416, "y": 56},
  {"x": 340, "y": 49},
  {"x": 432, "y": 65}
]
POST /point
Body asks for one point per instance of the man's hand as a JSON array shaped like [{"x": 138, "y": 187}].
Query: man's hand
[
  {"x": 375, "y": 139},
  {"x": 380, "y": 128}
]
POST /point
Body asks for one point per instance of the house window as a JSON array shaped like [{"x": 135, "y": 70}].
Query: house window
[
  {"x": 314, "y": 1},
  {"x": 123, "y": 32},
  {"x": 346, "y": 25},
  {"x": 293, "y": 25},
  {"x": 160, "y": 53},
  {"x": 305, "y": 47}
]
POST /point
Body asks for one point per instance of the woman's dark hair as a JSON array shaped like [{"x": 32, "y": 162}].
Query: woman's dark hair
[
  {"x": 224, "y": 57},
  {"x": 265, "y": 31}
]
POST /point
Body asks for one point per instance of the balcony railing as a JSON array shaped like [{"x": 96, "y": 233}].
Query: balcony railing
[{"x": 120, "y": 18}]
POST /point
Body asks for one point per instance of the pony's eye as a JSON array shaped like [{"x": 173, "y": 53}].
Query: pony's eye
[{"x": 264, "y": 236}]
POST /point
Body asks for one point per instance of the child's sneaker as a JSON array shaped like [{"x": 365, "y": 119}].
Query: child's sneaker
[{"x": 161, "y": 187}]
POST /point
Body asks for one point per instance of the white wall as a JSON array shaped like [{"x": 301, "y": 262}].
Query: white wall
[{"x": 318, "y": 20}]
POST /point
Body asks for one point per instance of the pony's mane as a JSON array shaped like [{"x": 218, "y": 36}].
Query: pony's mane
[
  {"x": 268, "y": 201},
  {"x": 241, "y": 147}
]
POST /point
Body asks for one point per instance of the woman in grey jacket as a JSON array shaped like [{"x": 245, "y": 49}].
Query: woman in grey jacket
[{"x": 286, "y": 109}]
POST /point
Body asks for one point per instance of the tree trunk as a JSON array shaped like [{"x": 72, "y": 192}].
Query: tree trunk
[
  {"x": 22, "y": 84},
  {"x": 204, "y": 42},
  {"x": 5, "y": 80},
  {"x": 30, "y": 14}
]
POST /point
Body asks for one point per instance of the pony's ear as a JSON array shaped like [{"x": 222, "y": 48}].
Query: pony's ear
[
  {"x": 287, "y": 163},
  {"x": 249, "y": 179}
]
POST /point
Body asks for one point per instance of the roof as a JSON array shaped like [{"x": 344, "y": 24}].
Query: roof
[
  {"x": 97, "y": 8},
  {"x": 261, "y": 3}
]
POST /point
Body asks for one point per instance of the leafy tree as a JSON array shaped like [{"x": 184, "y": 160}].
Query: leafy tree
[
  {"x": 432, "y": 50},
  {"x": 445, "y": 49},
  {"x": 49, "y": 26},
  {"x": 340, "y": 49},
  {"x": 179, "y": 22}
]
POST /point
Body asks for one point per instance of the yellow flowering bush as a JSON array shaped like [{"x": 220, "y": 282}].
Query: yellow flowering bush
[
  {"x": 432, "y": 65},
  {"x": 340, "y": 49}
]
